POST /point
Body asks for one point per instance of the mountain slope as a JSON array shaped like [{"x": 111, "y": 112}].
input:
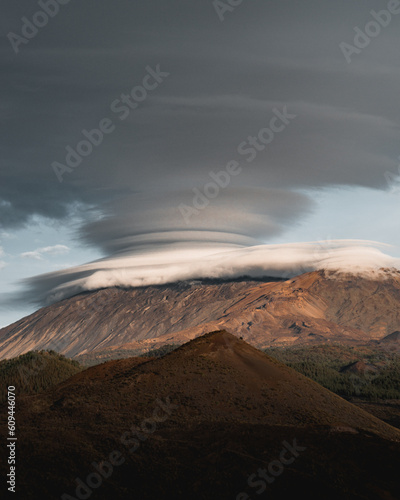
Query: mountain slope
[
  {"x": 314, "y": 307},
  {"x": 240, "y": 374},
  {"x": 205, "y": 417}
]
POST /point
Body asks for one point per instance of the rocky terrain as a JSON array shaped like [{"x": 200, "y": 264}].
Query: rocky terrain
[{"x": 315, "y": 307}]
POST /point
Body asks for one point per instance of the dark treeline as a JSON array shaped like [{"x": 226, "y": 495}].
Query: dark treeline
[
  {"x": 35, "y": 371},
  {"x": 349, "y": 372}
]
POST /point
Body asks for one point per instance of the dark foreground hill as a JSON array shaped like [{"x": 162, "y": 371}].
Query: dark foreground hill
[{"x": 215, "y": 419}]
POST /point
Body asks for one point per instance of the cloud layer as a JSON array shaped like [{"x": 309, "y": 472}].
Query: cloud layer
[
  {"x": 226, "y": 81},
  {"x": 177, "y": 263}
]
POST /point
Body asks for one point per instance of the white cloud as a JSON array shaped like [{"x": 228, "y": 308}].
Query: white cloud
[
  {"x": 7, "y": 236},
  {"x": 176, "y": 263},
  {"x": 40, "y": 252},
  {"x": 55, "y": 250},
  {"x": 31, "y": 255}
]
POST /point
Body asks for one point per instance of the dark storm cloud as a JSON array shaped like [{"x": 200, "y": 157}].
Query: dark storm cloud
[
  {"x": 225, "y": 80},
  {"x": 243, "y": 216}
]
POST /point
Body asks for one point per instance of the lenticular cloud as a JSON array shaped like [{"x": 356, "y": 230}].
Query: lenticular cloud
[{"x": 174, "y": 264}]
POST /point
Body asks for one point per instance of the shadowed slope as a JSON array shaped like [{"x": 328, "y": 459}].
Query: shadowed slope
[{"x": 230, "y": 405}]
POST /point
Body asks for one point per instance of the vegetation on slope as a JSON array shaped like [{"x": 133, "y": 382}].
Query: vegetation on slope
[
  {"x": 97, "y": 357},
  {"x": 35, "y": 372},
  {"x": 349, "y": 372},
  {"x": 161, "y": 351}
]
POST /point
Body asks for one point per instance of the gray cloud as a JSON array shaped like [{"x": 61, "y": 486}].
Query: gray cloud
[
  {"x": 225, "y": 80},
  {"x": 239, "y": 215}
]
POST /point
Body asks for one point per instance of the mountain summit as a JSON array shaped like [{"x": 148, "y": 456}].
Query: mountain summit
[{"x": 319, "y": 306}]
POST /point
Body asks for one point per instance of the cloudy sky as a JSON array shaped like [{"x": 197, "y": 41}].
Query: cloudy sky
[{"x": 215, "y": 130}]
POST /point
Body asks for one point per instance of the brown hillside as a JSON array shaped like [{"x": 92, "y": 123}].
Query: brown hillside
[
  {"x": 314, "y": 307},
  {"x": 232, "y": 407}
]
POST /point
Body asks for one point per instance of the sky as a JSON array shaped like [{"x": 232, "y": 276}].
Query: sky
[{"x": 150, "y": 141}]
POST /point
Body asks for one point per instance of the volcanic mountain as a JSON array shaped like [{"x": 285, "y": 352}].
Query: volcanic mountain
[
  {"x": 320, "y": 306},
  {"x": 203, "y": 422}
]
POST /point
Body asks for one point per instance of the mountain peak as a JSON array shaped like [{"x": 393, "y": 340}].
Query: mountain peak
[{"x": 319, "y": 306}]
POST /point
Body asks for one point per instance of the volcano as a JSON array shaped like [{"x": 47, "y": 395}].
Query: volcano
[{"x": 320, "y": 306}]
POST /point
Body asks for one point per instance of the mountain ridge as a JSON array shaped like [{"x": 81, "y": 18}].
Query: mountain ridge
[{"x": 314, "y": 307}]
